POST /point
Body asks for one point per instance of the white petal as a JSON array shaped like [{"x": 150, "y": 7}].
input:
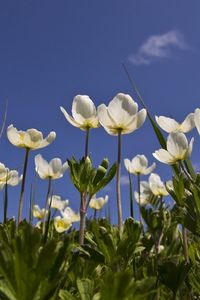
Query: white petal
[
  {"x": 122, "y": 108},
  {"x": 188, "y": 124},
  {"x": 139, "y": 163},
  {"x": 189, "y": 152},
  {"x": 136, "y": 122},
  {"x": 13, "y": 135},
  {"x": 83, "y": 108},
  {"x": 149, "y": 169},
  {"x": 167, "y": 124},
  {"x": 69, "y": 118},
  {"x": 127, "y": 164},
  {"x": 41, "y": 166},
  {"x": 177, "y": 145},
  {"x": 13, "y": 178},
  {"x": 55, "y": 168},
  {"x": 197, "y": 119},
  {"x": 108, "y": 124},
  {"x": 164, "y": 156}
]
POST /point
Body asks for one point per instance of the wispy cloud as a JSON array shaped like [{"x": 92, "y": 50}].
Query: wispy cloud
[
  {"x": 124, "y": 180},
  {"x": 158, "y": 47}
]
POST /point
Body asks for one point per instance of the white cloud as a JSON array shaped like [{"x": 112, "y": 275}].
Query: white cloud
[
  {"x": 124, "y": 180},
  {"x": 159, "y": 47}
]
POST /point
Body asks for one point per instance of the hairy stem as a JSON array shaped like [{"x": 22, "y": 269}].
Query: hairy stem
[
  {"x": 47, "y": 203},
  {"x": 5, "y": 202},
  {"x": 82, "y": 218},
  {"x": 23, "y": 186},
  {"x": 87, "y": 142},
  {"x": 139, "y": 196},
  {"x": 131, "y": 195},
  {"x": 118, "y": 187}
]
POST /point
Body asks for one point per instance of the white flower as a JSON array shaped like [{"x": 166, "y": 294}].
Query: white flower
[
  {"x": 58, "y": 203},
  {"x": 61, "y": 224},
  {"x": 54, "y": 169},
  {"x": 70, "y": 215},
  {"x": 145, "y": 193},
  {"x": 177, "y": 149},
  {"x": 197, "y": 119},
  {"x": 38, "y": 212},
  {"x": 157, "y": 186},
  {"x": 11, "y": 177},
  {"x": 170, "y": 125},
  {"x": 121, "y": 115},
  {"x": 138, "y": 165},
  {"x": 29, "y": 139},
  {"x": 98, "y": 203},
  {"x": 84, "y": 115}
]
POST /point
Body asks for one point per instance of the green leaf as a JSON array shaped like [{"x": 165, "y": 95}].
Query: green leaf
[{"x": 85, "y": 288}]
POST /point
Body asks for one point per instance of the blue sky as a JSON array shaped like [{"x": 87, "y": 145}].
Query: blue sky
[{"x": 52, "y": 50}]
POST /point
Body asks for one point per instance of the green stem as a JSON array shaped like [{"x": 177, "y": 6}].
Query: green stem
[
  {"x": 185, "y": 244},
  {"x": 5, "y": 202},
  {"x": 48, "y": 220},
  {"x": 131, "y": 195},
  {"x": 118, "y": 187},
  {"x": 95, "y": 214},
  {"x": 47, "y": 203},
  {"x": 23, "y": 186},
  {"x": 139, "y": 204},
  {"x": 82, "y": 218},
  {"x": 87, "y": 142}
]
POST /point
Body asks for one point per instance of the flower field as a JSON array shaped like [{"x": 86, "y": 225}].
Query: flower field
[{"x": 153, "y": 255}]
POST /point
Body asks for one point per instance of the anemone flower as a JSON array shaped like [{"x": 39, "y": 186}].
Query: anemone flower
[
  {"x": 58, "y": 203},
  {"x": 38, "y": 213},
  {"x": 97, "y": 203},
  {"x": 84, "y": 115},
  {"x": 145, "y": 193},
  {"x": 69, "y": 214},
  {"x": 197, "y": 119},
  {"x": 138, "y": 165},
  {"x": 50, "y": 171},
  {"x": 31, "y": 139},
  {"x": 178, "y": 149},
  {"x": 120, "y": 117},
  {"x": 62, "y": 224},
  {"x": 170, "y": 125},
  {"x": 157, "y": 186},
  {"x": 7, "y": 177}
]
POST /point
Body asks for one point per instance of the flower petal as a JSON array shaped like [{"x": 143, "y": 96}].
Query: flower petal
[
  {"x": 197, "y": 119},
  {"x": 188, "y": 124},
  {"x": 83, "y": 108},
  {"x": 136, "y": 122},
  {"x": 41, "y": 167},
  {"x": 69, "y": 118},
  {"x": 167, "y": 124},
  {"x": 105, "y": 120},
  {"x": 13, "y": 135},
  {"x": 177, "y": 145},
  {"x": 149, "y": 169},
  {"x": 122, "y": 108},
  {"x": 164, "y": 156}
]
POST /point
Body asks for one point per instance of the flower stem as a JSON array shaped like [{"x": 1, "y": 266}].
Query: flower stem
[
  {"x": 23, "y": 186},
  {"x": 118, "y": 187},
  {"x": 87, "y": 142},
  {"x": 131, "y": 195},
  {"x": 139, "y": 194},
  {"x": 5, "y": 202},
  {"x": 47, "y": 203},
  {"x": 185, "y": 244},
  {"x": 82, "y": 218}
]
